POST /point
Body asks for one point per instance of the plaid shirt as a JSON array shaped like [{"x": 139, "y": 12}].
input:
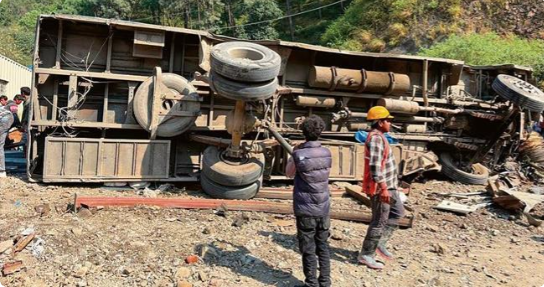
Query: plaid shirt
[{"x": 388, "y": 173}]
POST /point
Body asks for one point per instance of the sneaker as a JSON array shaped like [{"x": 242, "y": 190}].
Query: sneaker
[
  {"x": 3, "y": 174},
  {"x": 370, "y": 262},
  {"x": 384, "y": 253}
]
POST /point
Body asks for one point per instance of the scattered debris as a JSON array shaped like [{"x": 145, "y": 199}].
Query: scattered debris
[
  {"x": 43, "y": 209},
  {"x": 12, "y": 267},
  {"x": 337, "y": 236},
  {"x": 22, "y": 243},
  {"x": 165, "y": 187},
  {"x": 5, "y": 246},
  {"x": 84, "y": 212},
  {"x": 146, "y": 192},
  {"x": 438, "y": 248},
  {"x": 459, "y": 208},
  {"x": 183, "y": 273},
  {"x": 37, "y": 247},
  {"x": 505, "y": 194},
  {"x": 81, "y": 271},
  {"x": 240, "y": 220},
  {"x": 28, "y": 231},
  {"x": 537, "y": 190},
  {"x": 191, "y": 259},
  {"x": 139, "y": 185},
  {"x": 221, "y": 211},
  {"x": 202, "y": 276},
  {"x": 283, "y": 223},
  {"x": 76, "y": 231}
]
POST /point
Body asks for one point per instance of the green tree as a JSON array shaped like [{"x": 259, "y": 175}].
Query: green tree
[{"x": 256, "y": 11}]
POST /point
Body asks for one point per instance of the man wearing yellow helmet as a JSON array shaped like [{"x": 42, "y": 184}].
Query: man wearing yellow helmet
[{"x": 380, "y": 183}]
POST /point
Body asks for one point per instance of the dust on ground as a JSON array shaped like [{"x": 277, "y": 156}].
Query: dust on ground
[{"x": 147, "y": 246}]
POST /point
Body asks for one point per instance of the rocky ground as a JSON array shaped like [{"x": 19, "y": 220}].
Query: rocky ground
[{"x": 148, "y": 246}]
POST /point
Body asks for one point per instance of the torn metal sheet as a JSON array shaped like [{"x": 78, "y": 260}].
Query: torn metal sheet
[{"x": 460, "y": 208}]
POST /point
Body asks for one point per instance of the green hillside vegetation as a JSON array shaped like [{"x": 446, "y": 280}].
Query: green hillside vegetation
[
  {"x": 380, "y": 25},
  {"x": 479, "y": 32},
  {"x": 490, "y": 49}
]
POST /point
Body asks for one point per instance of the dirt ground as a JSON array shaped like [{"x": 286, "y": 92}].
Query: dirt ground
[{"x": 147, "y": 246}]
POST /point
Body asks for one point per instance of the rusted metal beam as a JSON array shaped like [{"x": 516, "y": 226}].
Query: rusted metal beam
[
  {"x": 280, "y": 193},
  {"x": 234, "y": 205}
]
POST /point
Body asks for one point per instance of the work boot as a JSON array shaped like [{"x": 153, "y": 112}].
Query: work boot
[
  {"x": 382, "y": 249},
  {"x": 369, "y": 261},
  {"x": 367, "y": 254}
]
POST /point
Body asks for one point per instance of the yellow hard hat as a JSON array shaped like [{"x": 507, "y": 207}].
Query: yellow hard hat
[{"x": 378, "y": 113}]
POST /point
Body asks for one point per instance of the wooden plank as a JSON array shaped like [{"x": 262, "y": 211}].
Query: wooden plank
[
  {"x": 21, "y": 244},
  {"x": 356, "y": 192},
  {"x": 233, "y": 205}
]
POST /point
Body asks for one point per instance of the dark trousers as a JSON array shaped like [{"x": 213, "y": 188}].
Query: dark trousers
[
  {"x": 313, "y": 233},
  {"x": 383, "y": 216}
]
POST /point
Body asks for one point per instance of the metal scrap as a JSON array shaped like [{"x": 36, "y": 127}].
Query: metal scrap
[
  {"x": 12, "y": 267},
  {"x": 460, "y": 208}
]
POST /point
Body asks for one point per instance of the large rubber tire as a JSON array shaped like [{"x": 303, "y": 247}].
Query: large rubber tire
[
  {"x": 450, "y": 169},
  {"x": 245, "y": 62},
  {"x": 243, "y": 91},
  {"x": 228, "y": 174},
  {"x": 216, "y": 190},
  {"x": 172, "y": 126},
  {"x": 519, "y": 92}
]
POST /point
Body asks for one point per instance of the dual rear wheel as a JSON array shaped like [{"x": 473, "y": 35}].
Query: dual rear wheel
[{"x": 227, "y": 178}]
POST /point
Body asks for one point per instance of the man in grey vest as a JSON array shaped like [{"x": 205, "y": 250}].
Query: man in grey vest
[
  {"x": 6, "y": 120},
  {"x": 310, "y": 164}
]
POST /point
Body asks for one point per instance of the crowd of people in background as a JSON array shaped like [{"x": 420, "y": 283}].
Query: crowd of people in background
[{"x": 11, "y": 121}]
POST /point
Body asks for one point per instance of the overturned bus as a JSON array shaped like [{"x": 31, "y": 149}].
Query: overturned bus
[{"x": 119, "y": 101}]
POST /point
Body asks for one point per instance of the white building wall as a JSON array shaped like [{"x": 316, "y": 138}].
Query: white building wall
[{"x": 13, "y": 76}]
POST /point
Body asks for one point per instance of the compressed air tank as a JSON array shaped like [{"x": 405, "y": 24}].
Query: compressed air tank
[
  {"x": 360, "y": 81},
  {"x": 399, "y": 106},
  {"x": 316, "y": 101}
]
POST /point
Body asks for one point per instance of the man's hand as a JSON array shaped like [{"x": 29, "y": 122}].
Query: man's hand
[
  {"x": 384, "y": 193},
  {"x": 385, "y": 197}
]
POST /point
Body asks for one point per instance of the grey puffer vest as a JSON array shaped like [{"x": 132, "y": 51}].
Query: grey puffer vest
[{"x": 311, "y": 195}]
